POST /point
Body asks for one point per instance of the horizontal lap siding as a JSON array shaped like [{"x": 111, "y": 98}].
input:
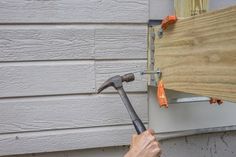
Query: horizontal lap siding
[
  {"x": 94, "y": 152},
  {"x": 121, "y": 43},
  {"x": 62, "y": 140},
  {"x": 65, "y": 112},
  {"x": 53, "y": 57},
  {"x": 29, "y": 79},
  {"x": 62, "y": 11},
  {"x": 20, "y": 43},
  {"x": 64, "y": 77},
  {"x": 107, "y": 69},
  {"x": 26, "y": 43}
]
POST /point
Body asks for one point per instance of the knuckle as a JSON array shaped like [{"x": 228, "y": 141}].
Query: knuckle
[
  {"x": 147, "y": 133},
  {"x": 152, "y": 138},
  {"x": 157, "y": 151},
  {"x": 151, "y": 131},
  {"x": 154, "y": 144}
]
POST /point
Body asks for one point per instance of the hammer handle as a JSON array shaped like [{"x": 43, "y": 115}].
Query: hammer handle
[{"x": 138, "y": 124}]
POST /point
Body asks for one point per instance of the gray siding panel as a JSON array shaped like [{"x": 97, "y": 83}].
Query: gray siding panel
[
  {"x": 53, "y": 57},
  {"x": 94, "y": 152},
  {"x": 65, "y": 112},
  {"x": 213, "y": 144},
  {"x": 21, "y": 43},
  {"x": 95, "y": 11},
  {"x": 50, "y": 141},
  {"x": 121, "y": 43},
  {"x": 70, "y": 42},
  {"x": 107, "y": 69},
  {"x": 159, "y": 9},
  {"x": 65, "y": 77},
  {"x": 46, "y": 78}
]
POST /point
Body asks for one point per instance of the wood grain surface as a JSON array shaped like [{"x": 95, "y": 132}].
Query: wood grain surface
[{"x": 197, "y": 55}]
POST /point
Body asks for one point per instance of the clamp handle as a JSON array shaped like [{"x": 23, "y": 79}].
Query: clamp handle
[
  {"x": 161, "y": 95},
  {"x": 168, "y": 20}
]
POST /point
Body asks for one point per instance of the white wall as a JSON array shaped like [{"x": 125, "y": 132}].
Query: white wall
[{"x": 53, "y": 57}]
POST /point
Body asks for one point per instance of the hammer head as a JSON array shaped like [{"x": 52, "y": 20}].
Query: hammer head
[{"x": 116, "y": 81}]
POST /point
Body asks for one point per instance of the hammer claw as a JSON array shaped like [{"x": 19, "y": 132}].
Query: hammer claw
[{"x": 104, "y": 86}]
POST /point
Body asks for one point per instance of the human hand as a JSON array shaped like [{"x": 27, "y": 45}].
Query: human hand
[{"x": 144, "y": 145}]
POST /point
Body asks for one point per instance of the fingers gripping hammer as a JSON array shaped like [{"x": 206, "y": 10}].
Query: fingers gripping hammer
[{"x": 116, "y": 82}]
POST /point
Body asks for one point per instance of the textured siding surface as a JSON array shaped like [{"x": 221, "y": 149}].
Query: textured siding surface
[
  {"x": 91, "y": 11},
  {"x": 53, "y": 57},
  {"x": 205, "y": 145}
]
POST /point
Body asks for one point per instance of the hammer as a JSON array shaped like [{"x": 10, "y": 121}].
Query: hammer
[{"x": 116, "y": 82}]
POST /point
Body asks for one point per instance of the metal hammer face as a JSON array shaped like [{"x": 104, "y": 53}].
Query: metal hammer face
[{"x": 116, "y": 81}]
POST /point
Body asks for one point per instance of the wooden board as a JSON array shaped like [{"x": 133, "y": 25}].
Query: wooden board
[
  {"x": 70, "y": 42},
  {"x": 197, "y": 55},
  {"x": 61, "y": 140},
  {"x": 63, "y": 11},
  {"x": 67, "y": 112},
  {"x": 46, "y": 78}
]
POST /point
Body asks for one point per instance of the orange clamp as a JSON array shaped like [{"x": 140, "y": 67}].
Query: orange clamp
[
  {"x": 161, "y": 95},
  {"x": 169, "y": 20}
]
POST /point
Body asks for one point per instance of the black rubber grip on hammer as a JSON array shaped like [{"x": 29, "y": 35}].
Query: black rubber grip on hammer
[{"x": 139, "y": 126}]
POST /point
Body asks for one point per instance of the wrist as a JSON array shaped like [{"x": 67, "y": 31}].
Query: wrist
[{"x": 128, "y": 154}]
